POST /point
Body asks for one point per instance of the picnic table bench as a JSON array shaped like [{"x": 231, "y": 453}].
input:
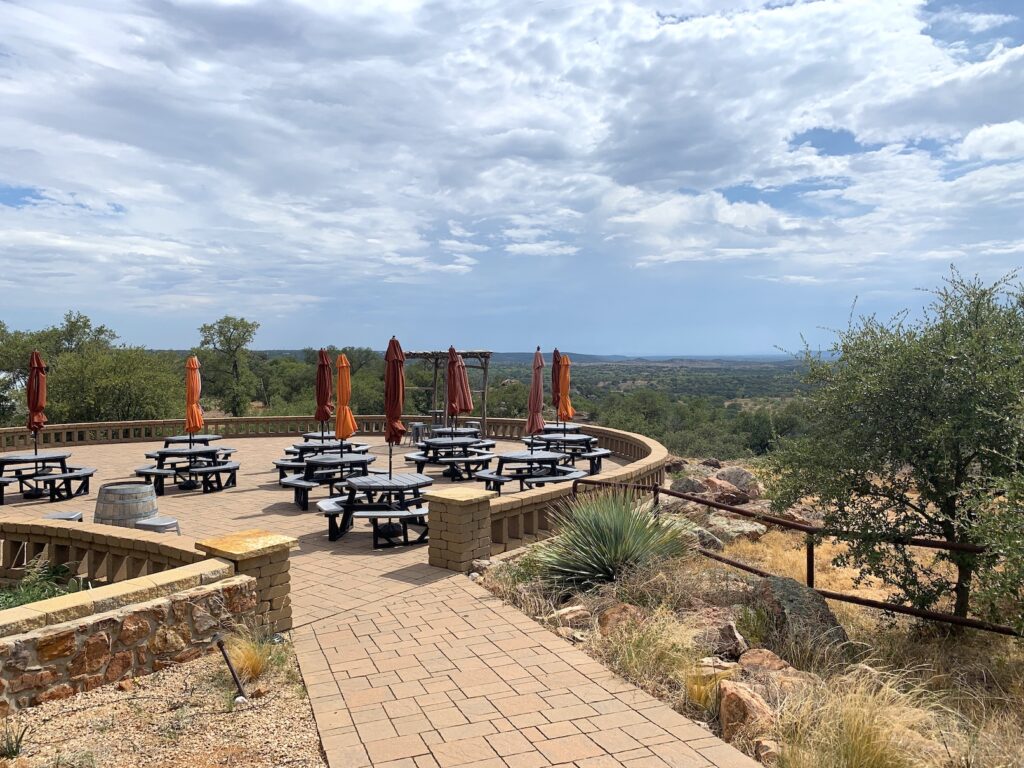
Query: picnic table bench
[
  {"x": 595, "y": 458},
  {"x": 213, "y": 475},
  {"x": 561, "y": 475},
  {"x": 61, "y": 485},
  {"x": 325, "y": 469}
]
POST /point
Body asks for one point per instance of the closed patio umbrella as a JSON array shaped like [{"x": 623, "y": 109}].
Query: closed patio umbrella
[
  {"x": 394, "y": 396},
  {"x": 556, "y": 379},
  {"x": 344, "y": 422},
  {"x": 193, "y": 389},
  {"x": 535, "y": 404},
  {"x": 324, "y": 390},
  {"x": 565, "y": 409},
  {"x": 460, "y": 399},
  {"x": 36, "y": 395}
]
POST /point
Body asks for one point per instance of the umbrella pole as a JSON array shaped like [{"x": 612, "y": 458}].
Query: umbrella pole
[
  {"x": 35, "y": 442},
  {"x": 389, "y": 459}
]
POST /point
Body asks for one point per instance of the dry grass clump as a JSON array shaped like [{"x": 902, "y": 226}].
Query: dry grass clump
[
  {"x": 868, "y": 719},
  {"x": 652, "y": 653},
  {"x": 253, "y": 652}
]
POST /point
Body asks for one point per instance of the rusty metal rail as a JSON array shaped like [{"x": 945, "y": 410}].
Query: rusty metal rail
[{"x": 813, "y": 533}]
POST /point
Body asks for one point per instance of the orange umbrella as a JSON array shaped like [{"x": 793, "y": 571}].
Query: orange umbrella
[
  {"x": 193, "y": 388},
  {"x": 565, "y": 409},
  {"x": 460, "y": 399},
  {"x": 394, "y": 396},
  {"x": 535, "y": 404},
  {"x": 344, "y": 422},
  {"x": 36, "y": 395},
  {"x": 556, "y": 379},
  {"x": 324, "y": 389}
]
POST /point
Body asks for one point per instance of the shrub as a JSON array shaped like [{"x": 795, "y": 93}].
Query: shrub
[
  {"x": 11, "y": 739},
  {"x": 253, "y": 652},
  {"x": 41, "y": 581},
  {"x": 602, "y": 535}
]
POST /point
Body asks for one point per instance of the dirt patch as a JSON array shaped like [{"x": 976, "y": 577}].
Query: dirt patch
[{"x": 181, "y": 716}]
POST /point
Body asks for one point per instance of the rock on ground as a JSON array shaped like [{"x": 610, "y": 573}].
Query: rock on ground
[
  {"x": 687, "y": 484},
  {"x": 741, "y": 710},
  {"x": 742, "y": 478},
  {"x": 724, "y": 492},
  {"x": 798, "y": 612},
  {"x": 730, "y": 528},
  {"x": 616, "y": 616}
]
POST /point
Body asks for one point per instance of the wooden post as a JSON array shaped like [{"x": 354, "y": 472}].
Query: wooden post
[
  {"x": 484, "y": 362},
  {"x": 434, "y": 400}
]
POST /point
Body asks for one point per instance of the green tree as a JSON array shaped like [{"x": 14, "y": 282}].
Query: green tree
[
  {"x": 906, "y": 419},
  {"x": 116, "y": 384},
  {"x": 224, "y": 352}
]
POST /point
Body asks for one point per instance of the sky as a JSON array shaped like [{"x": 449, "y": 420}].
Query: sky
[{"x": 630, "y": 176}]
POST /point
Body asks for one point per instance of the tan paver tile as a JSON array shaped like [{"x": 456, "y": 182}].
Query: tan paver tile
[
  {"x": 509, "y": 743},
  {"x": 567, "y": 749},
  {"x": 395, "y": 748},
  {"x": 462, "y": 752}
]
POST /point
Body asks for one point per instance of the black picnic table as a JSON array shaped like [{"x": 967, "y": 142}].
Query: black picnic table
[
  {"x": 189, "y": 440},
  {"x": 303, "y": 450},
  {"x": 570, "y": 444},
  {"x": 359, "y": 463},
  {"x": 375, "y": 497},
  {"x": 321, "y": 436},
  {"x": 42, "y": 464},
  {"x": 441, "y": 451},
  {"x": 531, "y": 463},
  {"x": 455, "y": 432},
  {"x": 563, "y": 427}
]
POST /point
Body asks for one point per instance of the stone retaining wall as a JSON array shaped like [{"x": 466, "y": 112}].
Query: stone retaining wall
[{"x": 57, "y": 661}]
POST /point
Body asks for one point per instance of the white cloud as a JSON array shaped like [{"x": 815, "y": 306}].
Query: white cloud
[
  {"x": 543, "y": 248},
  {"x": 1003, "y": 141},
  {"x": 974, "y": 22}
]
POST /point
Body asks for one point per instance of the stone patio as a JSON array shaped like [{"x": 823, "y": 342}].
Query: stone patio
[{"x": 410, "y": 666}]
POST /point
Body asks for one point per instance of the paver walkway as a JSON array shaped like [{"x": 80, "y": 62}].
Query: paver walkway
[{"x": 409, "y": 666}]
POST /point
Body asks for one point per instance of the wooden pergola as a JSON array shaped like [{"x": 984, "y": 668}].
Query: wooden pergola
[{"x": 440, "y": 360}]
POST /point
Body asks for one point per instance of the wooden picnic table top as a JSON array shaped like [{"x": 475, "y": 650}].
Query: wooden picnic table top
[
  {"x": 201, "y": 439},
  {"x": 401, "y": 482},
  {"x": 32, "y": 458},
  {"x": 340, "y": 459}
]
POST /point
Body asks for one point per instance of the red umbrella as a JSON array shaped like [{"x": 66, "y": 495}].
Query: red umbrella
[
  {"x": 556, "y": 381},
  {"x": 36, "y": 392},
  {"x": 394, "y": 396},
  {"x": 324, "y": 390},
  {"x": 460, "y": 399},
  {"x": 535, "y": 405}
]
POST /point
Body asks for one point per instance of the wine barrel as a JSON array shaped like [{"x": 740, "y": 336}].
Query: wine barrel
[{"x": 124, "y": 503}]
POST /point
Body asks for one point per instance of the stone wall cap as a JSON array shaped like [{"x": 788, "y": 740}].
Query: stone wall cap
[
  {"x": 457, "y": 496},
  {"x": 246, "y": 544}
]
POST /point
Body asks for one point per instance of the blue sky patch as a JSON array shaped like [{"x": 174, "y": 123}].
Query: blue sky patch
[{"x": 18, "y": 197}]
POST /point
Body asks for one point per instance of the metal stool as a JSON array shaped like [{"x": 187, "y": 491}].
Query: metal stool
[
  {"x": 416, "y": 431},
  {"x": 71, "y": 517},
  {"x": 159, "y": 524}
]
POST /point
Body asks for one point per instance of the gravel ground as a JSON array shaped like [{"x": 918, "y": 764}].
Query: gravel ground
[{"x": 181, "y": 716}]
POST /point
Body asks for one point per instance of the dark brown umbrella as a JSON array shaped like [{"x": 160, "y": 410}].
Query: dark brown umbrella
[
  {"x": 460, "y": 399},
  {"x": 394, "y": 396},
  {"x": 535, "y": 404},
  {"x": 324, "y": 390},
  {"x": 556, "y": 380},
  {"x": 36, "y": 395}
]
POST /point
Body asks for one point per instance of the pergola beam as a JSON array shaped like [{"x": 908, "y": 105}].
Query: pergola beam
[{"x": 483, "y": 357}]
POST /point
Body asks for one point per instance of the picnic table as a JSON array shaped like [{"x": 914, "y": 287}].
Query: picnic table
[
  {"x": 375, "y": 498},
  {"x": 469, "y": 453},
  {"x": 184, "y": 464},
  {"x": 570, "y": 444},
  {"x": 529, "y": 469},
  {"x": 302, "y": 450},
  {"x": 321, "y": 436},
  {"x": 190, "y": 440},
  {"x": 563, "y": 427},
  {"x": 325, "y": 469},
  {"x": 33, "y": 471},
  {"x": 455, "y": 432},
  {"x": 437, "y": 415}
]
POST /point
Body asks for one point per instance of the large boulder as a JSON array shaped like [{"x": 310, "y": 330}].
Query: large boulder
[
  {"x": 742, "y": 478},
  {"x": 731, "y": 528},
  {"x": 725, "y": 492},
  {"x": 707, "y": 539},
  {"x": 715, "y": 463},
  {"x": 741, "y": 710},
  {"x": 798, "y": 612},
  {"x": 687, "y": 484},
  {"x": 730, "y": 644},
  {"x": 675, "y": 464}
]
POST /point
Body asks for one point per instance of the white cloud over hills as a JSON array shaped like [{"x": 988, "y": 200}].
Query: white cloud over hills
[{"x": 269, "y": 157}]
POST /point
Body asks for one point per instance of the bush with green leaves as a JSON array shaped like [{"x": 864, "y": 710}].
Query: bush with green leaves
[
  {"x": 11, "y": 739},
  {"x": 40, "y": 582},
  {"x": 601, "y": 535},
  {"x": 907, "y": 420}
]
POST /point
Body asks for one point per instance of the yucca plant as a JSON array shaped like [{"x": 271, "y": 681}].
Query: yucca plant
[
  {"x": 11, "y": 739},
  {"x": 601, "y": 535}
]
